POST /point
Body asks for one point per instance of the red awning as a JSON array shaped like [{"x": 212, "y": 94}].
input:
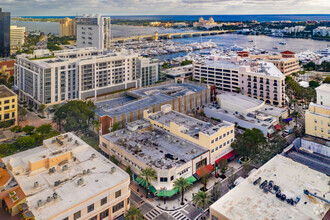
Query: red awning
[
  {"x": 278, "y": 127},
  {"x": 227, "y": 156},
  {"x": 208, "y": 168}
]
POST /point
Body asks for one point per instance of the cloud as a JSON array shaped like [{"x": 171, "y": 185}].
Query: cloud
[{"x": 163, "y": 7}]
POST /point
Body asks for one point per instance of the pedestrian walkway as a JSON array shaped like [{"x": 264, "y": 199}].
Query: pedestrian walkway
[
  {"x": 179, "y": 215},
  {"x": 152, "y": 214}
]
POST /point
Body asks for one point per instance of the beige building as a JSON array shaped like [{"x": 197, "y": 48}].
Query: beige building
[
  {"x": 317, "y": 118},
  {"x": 67, "y": 27},
  {"x": 17, "y": 36},
  {"x": 258, "y": 200},
  {"x": 67, "y": 179},
  {"x": 206, "y": 23},
  {"x": 173, "y": 144},
  {"x": 8, "y": 105}
]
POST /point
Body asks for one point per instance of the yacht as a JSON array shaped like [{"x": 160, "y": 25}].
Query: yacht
[{"x": 282, "y": 43}]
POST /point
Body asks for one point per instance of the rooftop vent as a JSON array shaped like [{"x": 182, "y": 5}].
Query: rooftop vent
[
  {"x": 193, "y": 151},
  {"x": 84, "y": 172},
  {"x": 80, "y": 182},
  {"x": 39, "y": 203},
  {"x": 113, "y": 170},
  {"x": 93, "y": 156},
  {"x": 88, "y": 171},
  {"x": 36, "y": 184},
  {"x": 54, "y": 195},
  {"x": 76, "y": 142},
  {"x": 57, "y": 183},
  {"x": 65, "y": 167},
  {"x": 52, "y": 170},
  {"x": 49, "y": 199}
]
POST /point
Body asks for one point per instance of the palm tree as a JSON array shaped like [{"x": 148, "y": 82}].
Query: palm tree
[
  {"x": 201, "y": 199},
  {"x": 133, "y": 214},
  {"x": 296, "y": 114},
  {"x": 42, "y": 108},
  {"x": 97, "y": 126},
  {"x": 149, "y": 175},
  {"x": 182, "y": 184},
  {"x": 21, "y": 114}
]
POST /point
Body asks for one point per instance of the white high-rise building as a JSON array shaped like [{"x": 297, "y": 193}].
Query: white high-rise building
[
  {"x": 93, "y": 31},
  {"x": 17, "y": 36}
]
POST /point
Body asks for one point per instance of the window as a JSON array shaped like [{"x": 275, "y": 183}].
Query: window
[
  {"x": 216, "y": 139},
  {"x": 231, "y": 131},
  {"x": 104, "y": 200},
  {"x": 212, "y": 141},
  {"x": 6, "y": 116},
  {"x": 216, "y": 148},
  {"x": 214, "y": 218},
  {"x": 315, "y": 120},
  {"x": 227, "y": 142},
  {"x": 224, "y": 135},
  {"x": 220, "y": 146},
  {"x": 232, "y": 140},
  {"x": 13, "y": 114},
  {"x": 220, "y": 137},
  {"x": 77, "y": 215},
  {"x": 6, "y": 107},
  {"x": 90, "y": 208},
  {"x": 104, "y": 214},
  {"x": 13, "y": 106},
  {"x": 117, "y": 194},
  {"x": 224, "y": 144},
  {"x": 163, "y": 179},
  {"x": 212, "y": 151},
  {"x": 115, "y": 208},
  {"x": 13, "y": 100},
  {"x": 104, "y": 145},
  {"x": 172, "y": 178},
  {"x": 321, "y": 129},
  {"x": 94, "y": 218},
  {"x": 315, "y": 128},
  {"x": 6, "y": 102},
  {"x": 228, "y": 133}
]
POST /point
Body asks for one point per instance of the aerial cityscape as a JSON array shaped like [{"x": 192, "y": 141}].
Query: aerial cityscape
[{"x": 164, "y": 110}]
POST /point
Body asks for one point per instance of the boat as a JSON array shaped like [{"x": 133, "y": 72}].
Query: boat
[
  {"x": 282, "y": 43},
  {"x": 250, "y": 41},
  {"x": 275, "y": 48}
]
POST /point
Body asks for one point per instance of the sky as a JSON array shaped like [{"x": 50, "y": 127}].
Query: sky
[{"x": 162, "y": 7}]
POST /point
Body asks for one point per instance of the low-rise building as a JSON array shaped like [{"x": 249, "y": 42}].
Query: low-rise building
[
  {"x": 280, "y": 189},
  {"x": 246, "y": 112},
  {"x": 67, "y": 179},
  {"x": 7, "y": 68},
  {"x": 17, "y": 36},
  {"x": 322, "y": 31},
  {"x": 8, "y": 105},
  {"x": 179, "y": 72},
  {"x": 201, "y": 23}
]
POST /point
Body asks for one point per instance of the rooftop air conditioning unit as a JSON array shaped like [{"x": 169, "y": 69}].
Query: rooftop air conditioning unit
[
  {"x": 65, "y": 167},
  {"x": 80, "y": 182},
  {"x": 49, "y": 199},
  {"x": 54, "y": 195},
  {"x": 93, "y": 156},
  {"x": 39, "y": 203},
  {"x": 113, "y": 170},
  {"x": 36, "y": 184}
]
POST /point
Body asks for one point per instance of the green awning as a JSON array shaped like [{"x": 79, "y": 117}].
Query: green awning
[
  {"x": 142, "y": 182},
  {"x": 191, "y": 179},
  {"x": 168, "y": 193}
]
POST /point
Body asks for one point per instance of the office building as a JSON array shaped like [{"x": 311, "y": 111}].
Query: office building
[
  {"x": 261, "y": 80},
  {"x": 65, "y": 178},
  {"x": 8, "y": 105},
  {"x": 93, "y": 31},
  {"x": 280, "y": 189},
  {"x": 75, "y": 74},
  {"x": 317, "y": 118},
  {"x": 172, "y": 143},
  {"x": 17, "y": 36},
  {"x": 4, "y": 33},
  {"x": 149, "y": 71},
  {"x": 67, "y": 27},
  {"x": 247, "y": 112}
]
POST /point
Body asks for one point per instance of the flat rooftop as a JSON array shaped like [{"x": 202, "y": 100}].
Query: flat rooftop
[
  {"x": 248, "y": 201},
  {"x": 238, "y": 99},
  {"x": 267, "y": 68},
  {"x": 191, "y": 125},
  {"x": 220, "y": 64},
  {"x": 177, "y": 71},
  {"x": 154, "y": 146},
  {"x": 5, "y": 92},
  {"x": 324, "y": 87},
  {"x": 144, "y": 98},
  {"x": 100, "y": 175}
]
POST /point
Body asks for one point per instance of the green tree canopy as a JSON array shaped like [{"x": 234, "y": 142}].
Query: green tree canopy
[
  {"x": 201, "y": 199},
  {"x": 44, "y": 129},
  {"x": 182, "y": 184},
  {"x": 28, "y": 129},
  {"x": 133, "y": 214},
  {"x": 149, "y": 175},
  {"x": 313, "y": 84}
]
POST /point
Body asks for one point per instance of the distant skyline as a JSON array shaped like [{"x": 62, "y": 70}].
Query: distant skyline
[{"x": 163, "y": 7}]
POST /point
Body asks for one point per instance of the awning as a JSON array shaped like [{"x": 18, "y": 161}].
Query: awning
[
  {"x": 168, "y": 193},
  {"x": 191, "y": 179},
  {"x": 208, "y": 168},
  {"x": 142, "y": 182},
  {"x": 227, "y": 156}
]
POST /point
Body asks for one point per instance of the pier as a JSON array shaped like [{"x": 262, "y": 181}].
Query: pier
[{"x": 158, "y": 36}]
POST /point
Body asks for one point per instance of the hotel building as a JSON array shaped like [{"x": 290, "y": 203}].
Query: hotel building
[
  {"x": 67, "y": 27},
  {"x": 66, "y": 179},
  {"x": 261, "y": 80},
  {"x": 93, "y": 31},
  {"x": 8, "y": 105},
  {"x": 17, "y": 36},
  {"x": 77, "y": 74}
]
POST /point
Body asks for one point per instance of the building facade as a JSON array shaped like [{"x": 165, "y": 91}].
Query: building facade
[
  {"x": 67, "y": 27},
  {"x": 17, "y": 36},
  {"x": 67, "y": 179},
  {"x": 8, "y": 105},
  {"x": 4, "y": 33},
  {"x": 7, "y": 68},
  {"x": 205, "y": 23},
  {"x": 93, "y": 31},
  {"x": 75, "y": 74},
  {"x": 148, "y": 71}
]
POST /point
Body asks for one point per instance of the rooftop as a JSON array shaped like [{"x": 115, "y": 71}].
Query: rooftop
[
  {"x": 324, "y": 87},
  {"x": 68, "y": 159},
  {"x": 240, "y": 100},
  {"x": 267, "y": 68},
  {"x": 248, "y": 201},
  {"x": 154, "y": 146},
  {"x": 176, "y": 71},
  {"x": 5, "y": 92},
  {"x": 220, "y": 64}
]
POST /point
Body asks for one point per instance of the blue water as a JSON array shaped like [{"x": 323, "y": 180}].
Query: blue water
[{"x": 260, "y": 18}]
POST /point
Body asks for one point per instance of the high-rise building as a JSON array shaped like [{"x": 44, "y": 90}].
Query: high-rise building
[
  {"x": 67, "y": 27},
  {"x": 4, "y": 33},
  {"x": 93, "y": 31},
  {"x": 17, "y": 36},
  {"x": 149, "y": 71},
  {"x": 75, "y": 74}
]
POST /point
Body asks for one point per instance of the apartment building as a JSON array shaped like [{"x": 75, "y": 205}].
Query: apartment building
[
  {"x": 75, "y": 74},
  {"x": 173, "y": 144},
  {"x": 67, "y": 179},
  {"x": 261, "y": 80},
  {"x": 17, "y": 36},
  {"x": 4, "y": 33},
  {"x": 317, "y": 118},
  {"x": 93, "y": 31},
  {"x": 8, "y": 105},
  {"x": 67, "y": 27},
  {"x": 149, "y": 71}
]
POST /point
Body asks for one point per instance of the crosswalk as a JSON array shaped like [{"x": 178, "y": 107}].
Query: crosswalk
[
  {"x": 152, "y": 214},
  {"x": 179, "y": 216}
]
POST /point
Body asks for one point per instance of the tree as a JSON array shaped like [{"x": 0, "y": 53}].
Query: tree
[
  {"x": 129, "y": 171},
  {"x": 204, "y": 175},
  {"x": 16, "y": 129},
  {"x": 216, "y": 191},
  {"x": 327, "y": 80},
  {"x": 148, "y": 174},
  {"x": 223, "y": 166},
  {"x": 238, "y": 90},
  {"x": 296, "y": 115},
  {"x": 21, "y": 113},
  {"x": 270, "y": 149},
  {"x": 133, "y": 213},
  {"x": 41, "y": 108},
  {"x": 28, "y": 129},
  {"x": 44, "y": 129},
  {"x": 313, "y": 84},
  {"x": 201, "y": 198},
  {"x": 25, "y": 142},
  {"x": 231, "y": 179},
  {"x": 247, "y": 144},
  {"x": 97, "y": 126},
  {"x": 182, "y": 184},
  {"x": 113, "y": 159},
  {"x": 115, "y": 127}
]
